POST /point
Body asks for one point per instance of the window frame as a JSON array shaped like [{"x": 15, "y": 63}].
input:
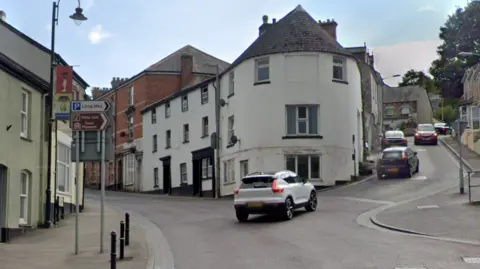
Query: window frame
[
  {"x": 205, "y": 125},
  {"x": 156, "y": 179},
  {"x": 341, "y": 65},
  {"x": 154, "y": 143},
  {"x": 389, "y": 108},
  {"x": 407, "y": 107},
  {"x": 25, "y": 114},
  {"x": 23, "y": 220},
  {"x": 68, "y": 169},
  {"x": 207, "y": 168},
  {"x": 183, "y": 174},
  {"x": 154, "y": 116},
  {"x": 259, "y": 65},
  {"x": 244, "y": 167},
  {"x": 184, "y": 103},
  {"x": 319, "y": 156},
  {"x": 168, "y": 139},
  {"x": 229, "y": 171},
  {"x": 307, "y": 120},
  {"x": 231, "y": 83},
  {"x": 186, "y": 133},
  {"x": 168, "y": 110},
  {"x": 204, "y": 95},
  {"x": 131, "y": 95},
  {"x": 131, "y": 124},
  {"x": 231, "y": 128}
]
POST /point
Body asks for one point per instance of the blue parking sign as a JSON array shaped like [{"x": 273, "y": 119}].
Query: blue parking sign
[{"x": 76, "y": 106}]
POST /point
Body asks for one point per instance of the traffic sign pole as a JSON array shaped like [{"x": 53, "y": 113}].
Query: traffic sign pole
[
  {"x": 77, "y": 187},
  {"x": 102, "y": 182}
]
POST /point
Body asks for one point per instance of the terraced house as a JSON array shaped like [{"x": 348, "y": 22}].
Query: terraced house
[{"x": 24, "y": 83}]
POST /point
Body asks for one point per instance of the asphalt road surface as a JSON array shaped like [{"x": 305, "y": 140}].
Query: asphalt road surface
[{"x": 204, "y": 234}]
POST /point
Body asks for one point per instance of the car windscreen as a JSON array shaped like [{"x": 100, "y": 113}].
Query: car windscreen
[
  {"x": 394, "y": 135},
  {"x": 257, "y": 182},
  {"x": 426, "y": 128},
  {"x": 392, "y": 155}
]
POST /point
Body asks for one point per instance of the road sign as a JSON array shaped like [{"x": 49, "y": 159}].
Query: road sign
[
  {"x": 88, "y": 121},
  {"x": 90, "y": 106}
]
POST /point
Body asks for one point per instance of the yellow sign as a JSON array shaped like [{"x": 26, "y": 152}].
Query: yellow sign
[{"x": 62, "y": 105}]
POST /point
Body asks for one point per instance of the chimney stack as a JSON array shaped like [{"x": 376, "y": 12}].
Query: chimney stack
[
  {"x": 186, "y": 72},
  {"x": 3, "y": 16},
  {"x": 116, "y": 81},
  {"x": 265, "y": 25},
  {"x": 330, "y": 26}
]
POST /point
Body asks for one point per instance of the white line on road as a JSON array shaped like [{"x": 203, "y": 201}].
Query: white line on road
[
  {"x": 410, "y": 268},
  {"x": 419, "y": 178},
  {"x": 364, "y": 200},
  {"x": 427, "y": 206},
  {"x": 471, "y": 259}
]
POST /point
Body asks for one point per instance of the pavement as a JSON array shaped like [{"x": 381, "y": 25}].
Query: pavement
[
  {"x": 446, "y": 215},
  {"x": 203, "y": 234},
  {"x": 54, "y": 248}
]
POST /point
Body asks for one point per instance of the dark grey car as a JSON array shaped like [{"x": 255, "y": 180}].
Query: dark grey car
[{"x": 397, "y": 161}]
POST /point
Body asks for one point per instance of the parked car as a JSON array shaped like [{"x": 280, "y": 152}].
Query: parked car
[
  {"x": 397, "y": 161},
  {"x": 278, "y": 193},
  {"x": 442, "y": 128},
  {"x": 426, "y": 134},
  {"x": 394, "y": 138}
]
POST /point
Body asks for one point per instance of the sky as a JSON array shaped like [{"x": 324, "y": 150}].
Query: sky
[{"x": 121, "y": 38}]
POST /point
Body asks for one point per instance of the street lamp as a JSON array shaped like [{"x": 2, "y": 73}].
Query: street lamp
[
  {"x": 78, "y": 17},
  {"x": 393, "y": 76}
]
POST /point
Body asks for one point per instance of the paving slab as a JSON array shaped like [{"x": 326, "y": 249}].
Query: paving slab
[{"x": 54, "y": 248}]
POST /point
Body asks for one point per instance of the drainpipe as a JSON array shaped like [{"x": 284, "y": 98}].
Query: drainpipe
[{"x": 217, "y": 131}]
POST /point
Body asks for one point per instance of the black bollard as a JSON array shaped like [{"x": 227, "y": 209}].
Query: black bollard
[
  {"x": 113, "y": 250},
  {"x": 127, "y": 229},
  {"x": 122, "y": 240}
]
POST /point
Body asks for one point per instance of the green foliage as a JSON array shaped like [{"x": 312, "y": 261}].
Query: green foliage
[
  {"x": 461, "y": 33},
  {"x": 419, "y": 78},
  {"x": 449, "y": 114}
]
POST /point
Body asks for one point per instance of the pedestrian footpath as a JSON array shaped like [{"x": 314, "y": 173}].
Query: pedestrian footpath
[
  {"x": 447, "y": 214},
  {"x": 54, "y": 248}
]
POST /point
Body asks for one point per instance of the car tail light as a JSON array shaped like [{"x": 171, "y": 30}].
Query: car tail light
[
  {"x": 237, "y": 190},
  {"x": 404, "y": 140},
  {"x": 405, "y": 156},
  {"x": 435, "y": 134},
  {"x": 275, "y": 188},
  {"x": 417, "y": 134}
]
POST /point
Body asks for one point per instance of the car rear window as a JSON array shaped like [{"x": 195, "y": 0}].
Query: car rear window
[
  {"x": 426, "y": 128},
  {"x": 440, "y": 124},
  {"x": 257, "y": 182},
  {"x": 394, "y": 135},
  {"x": 392, "y": 155}
]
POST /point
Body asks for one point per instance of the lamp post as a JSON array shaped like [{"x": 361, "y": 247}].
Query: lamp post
[
  {"x": 392, "y": 76},
  {"x": 217, "y": 129},
  {"x": 78, "y": 17}
]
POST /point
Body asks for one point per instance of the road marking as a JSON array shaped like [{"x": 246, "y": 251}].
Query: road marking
[
  {"x": 419, "y": 178},
  {"x": 364, "y": 200},
  {"x": 471, "y": 259},
  {"x": 410, "y": 268},
  {"x": 427, "y": 206},
  {"x": 420, "y": 150}
]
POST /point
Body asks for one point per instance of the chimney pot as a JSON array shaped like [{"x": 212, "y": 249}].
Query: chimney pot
[
  {"x": 265, "y": 19},
  {"x": 274, "y": 20},
  {"x": 3, "y": 16}
]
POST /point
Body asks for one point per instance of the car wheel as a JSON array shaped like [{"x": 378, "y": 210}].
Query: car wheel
[
  {"x": 242, "y": 216},
  {"x": 312, "y": 202},
  {"x": 418, "y": 167},
  {"x": 288, "y": 210}
]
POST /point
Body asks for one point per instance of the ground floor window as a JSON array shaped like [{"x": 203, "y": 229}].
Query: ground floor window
[
  {"x": 228, "y": 171},
  {"x": 155, "y": 177},
  {"x": 183, "y": 173},
  {"x": 243, "y": 168},
  {"x": 306, "y": 166},
  {"x": 24, "y": 185},
  {"x": 206, "y": 168}
]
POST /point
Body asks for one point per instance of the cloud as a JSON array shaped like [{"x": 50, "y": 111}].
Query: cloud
[
  {"x": 399, "y": 58},
  {"x": 426, "y": 8},
  {"x": 87, "y": 4},
  {"x": 97, "y": 35}
]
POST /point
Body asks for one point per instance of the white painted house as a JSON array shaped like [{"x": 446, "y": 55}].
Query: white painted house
[{"x": 292, "y": 101}]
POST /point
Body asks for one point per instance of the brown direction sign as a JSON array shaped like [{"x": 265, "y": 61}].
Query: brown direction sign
[{"x": 89, "y": 121}]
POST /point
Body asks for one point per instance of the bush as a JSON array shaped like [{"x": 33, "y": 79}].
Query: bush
[{"x": 449, "y": 114}]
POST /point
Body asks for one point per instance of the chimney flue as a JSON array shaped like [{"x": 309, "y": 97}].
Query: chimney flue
[
  {"x": 3, "y": 16},
  {"x": 330, "y": 26}
]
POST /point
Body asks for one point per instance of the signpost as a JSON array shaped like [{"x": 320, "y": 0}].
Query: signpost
[{"x": 90, "y": 117}]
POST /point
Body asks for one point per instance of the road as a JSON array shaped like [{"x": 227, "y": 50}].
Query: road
[{"x": 205, "y": 234}]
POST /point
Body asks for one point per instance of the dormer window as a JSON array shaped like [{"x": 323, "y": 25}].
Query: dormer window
[{"x": 262, "y": 70}]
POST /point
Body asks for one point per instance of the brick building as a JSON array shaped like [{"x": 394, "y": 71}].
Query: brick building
[{"x": 183, "y": 68}]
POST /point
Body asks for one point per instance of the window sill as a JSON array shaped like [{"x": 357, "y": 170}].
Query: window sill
[
  {"x": 64, "y": 193},
  {"x": 207, "y": 178},
  {"x": 302, "y": 137},
  {"x": 185, "y": 142},
  {"x": 230, "y": 145},
  {"x": 154, "y": 151},
  {"x": 155, "y": 186},
  {"x": 261, "y": 82},
  {"x": 183, "y": 111},
  {"x": 24, "y": 225},
  {"x": 232, "y": 94},
  {"x": 340, "y": 81},
  {"x": 204, "y": 136},
  {"x": 26, "y": 139},
  {"x": 167, "y": 147},
  {"x": 228, "y": 183},
  {"x": 184, "y": 184}
]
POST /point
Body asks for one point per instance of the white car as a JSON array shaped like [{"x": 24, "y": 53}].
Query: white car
[{"x": 273, "y": 193}]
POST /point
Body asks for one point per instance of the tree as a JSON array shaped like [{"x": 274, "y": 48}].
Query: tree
[
  {"x": 461, "y": 33},
  {"x": 449, "y": 114},
  {"x": 419, "y": 78}
]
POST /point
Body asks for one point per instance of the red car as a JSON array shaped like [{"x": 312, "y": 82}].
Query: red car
[{"x": 426, "y": 135}]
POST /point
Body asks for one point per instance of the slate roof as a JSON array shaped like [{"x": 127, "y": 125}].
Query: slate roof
[
  {"x": 403, "y": 94},
  {"x": 297, "y": 31},
  {"x": 23, "y": 74},
  {"x": 202, "y": 62}
]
